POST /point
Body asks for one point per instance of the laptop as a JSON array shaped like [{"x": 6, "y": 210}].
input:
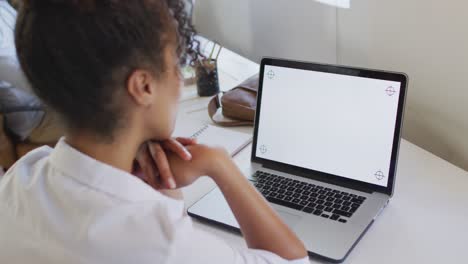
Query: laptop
[{"x": 324, "y": 152}]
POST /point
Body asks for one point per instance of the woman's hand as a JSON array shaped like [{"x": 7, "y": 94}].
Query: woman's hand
[
  {"x": 206, "y": 161},
  {"x": 151, "y": 163}
]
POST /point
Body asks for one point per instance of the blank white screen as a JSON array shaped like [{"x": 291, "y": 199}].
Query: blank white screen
[{"x": 337, "y": 124}]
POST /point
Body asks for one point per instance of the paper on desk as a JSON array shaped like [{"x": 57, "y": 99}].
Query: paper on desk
[{"x": 210, "y": 135}]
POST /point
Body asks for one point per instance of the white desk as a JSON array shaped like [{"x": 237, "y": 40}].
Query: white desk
[{"x": 425, "y": 222}]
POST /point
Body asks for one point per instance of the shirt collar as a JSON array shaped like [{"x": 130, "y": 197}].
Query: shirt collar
[{"x": 99, "y": 175}]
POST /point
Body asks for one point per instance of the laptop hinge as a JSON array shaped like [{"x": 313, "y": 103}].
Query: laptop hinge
[{"x": 318, "y": 176}]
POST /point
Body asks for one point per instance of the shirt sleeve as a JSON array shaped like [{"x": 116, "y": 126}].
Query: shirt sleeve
[{"x": 196, "y": 246}]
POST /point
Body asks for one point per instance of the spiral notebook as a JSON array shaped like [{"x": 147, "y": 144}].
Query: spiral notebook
[{"x": 210, "y": 135}]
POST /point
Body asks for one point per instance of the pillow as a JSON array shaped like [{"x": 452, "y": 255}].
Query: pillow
[
  {"x": 15, "y": 90},
  {"x": 21, "y": 124}
]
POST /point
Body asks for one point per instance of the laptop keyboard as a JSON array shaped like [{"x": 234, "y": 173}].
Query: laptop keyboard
[{"x": 310, "y": 198}]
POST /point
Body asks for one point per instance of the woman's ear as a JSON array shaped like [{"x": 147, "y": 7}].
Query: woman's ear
[{"x": 141, "y": 86}]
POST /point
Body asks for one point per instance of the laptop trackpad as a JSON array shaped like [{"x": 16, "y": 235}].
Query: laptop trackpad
[
  {"x": 214, "y": 207},
  {"x": 290, "y": 219}
]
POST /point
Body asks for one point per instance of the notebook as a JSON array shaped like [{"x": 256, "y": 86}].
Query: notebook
[{"x": 210, "y": 135}]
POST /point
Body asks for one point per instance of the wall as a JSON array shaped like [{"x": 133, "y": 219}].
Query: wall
[
  {"x": 427, "y": 39},
  {"x": 255, "y": 28}
]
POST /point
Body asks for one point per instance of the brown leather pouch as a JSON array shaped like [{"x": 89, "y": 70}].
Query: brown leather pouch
[{"x": 238, "y": 104}]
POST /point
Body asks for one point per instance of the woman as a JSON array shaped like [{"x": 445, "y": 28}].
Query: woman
[{"x": 110, "y": 68}]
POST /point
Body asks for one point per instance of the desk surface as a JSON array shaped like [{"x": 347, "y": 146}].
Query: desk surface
[{"x": 425, "y": 222}]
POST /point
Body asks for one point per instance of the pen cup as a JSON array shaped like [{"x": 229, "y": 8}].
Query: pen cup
[{"x": 207, "y": 78}]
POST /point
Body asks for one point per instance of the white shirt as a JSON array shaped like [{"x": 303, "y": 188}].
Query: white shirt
[{"x": 61, "y": 206}]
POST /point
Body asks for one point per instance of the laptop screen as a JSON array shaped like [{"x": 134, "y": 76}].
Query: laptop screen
[{"x": 337, "y": 124}]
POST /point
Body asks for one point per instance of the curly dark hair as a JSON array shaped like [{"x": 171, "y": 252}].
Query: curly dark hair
[{"x": 78, "y": 54}]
